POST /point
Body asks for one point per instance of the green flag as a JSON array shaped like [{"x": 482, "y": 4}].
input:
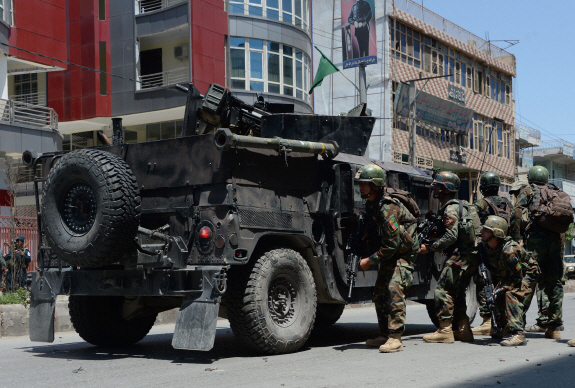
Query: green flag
[{"x": 325, "y": 68}]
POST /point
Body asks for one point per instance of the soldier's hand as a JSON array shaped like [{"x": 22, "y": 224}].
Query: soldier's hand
[
  {"x": 423, "y": 249},
  {"x": 356, "y": 24},
  {"x": 365, "y": 263}
]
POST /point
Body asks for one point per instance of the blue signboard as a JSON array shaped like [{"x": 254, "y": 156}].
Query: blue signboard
[{"x": 434, "y": 110}]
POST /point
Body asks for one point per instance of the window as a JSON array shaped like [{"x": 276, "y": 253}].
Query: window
[
  {"x": 270, "y": 67},
  {"x": 289, "y": 11},
  {"x": 25, "y": 85},
  {"x": 101, "y": 9},
  {"x": 406, "y": 43},
  {"x": 103, "y": 67}
]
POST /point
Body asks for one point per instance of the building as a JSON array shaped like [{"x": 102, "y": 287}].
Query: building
[{"x": 413, "y": 42}]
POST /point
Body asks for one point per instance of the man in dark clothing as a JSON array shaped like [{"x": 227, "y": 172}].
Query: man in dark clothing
[
  {"x": 360, "y": 16},
  {"x": 17, "y": 264}
]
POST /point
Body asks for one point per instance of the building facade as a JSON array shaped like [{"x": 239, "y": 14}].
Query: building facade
[{"x": 414, "y": 42}]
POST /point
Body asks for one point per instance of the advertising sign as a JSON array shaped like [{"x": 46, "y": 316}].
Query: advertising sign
[
  {"x": 358, "y": 32},
  {"x": 434, "y": 110},
  {"x": 527, "y": 161},
  {"x": 456, "y": 94},
  {"x": 523, "y": 132},
  {"x": 457, "y": 157}
]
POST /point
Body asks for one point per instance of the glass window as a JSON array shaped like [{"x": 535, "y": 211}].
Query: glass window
[
  {"x": 237, "y": 42},
  {"x": 403, "y": 43},
  {"x": 463, "y": 72},
  {"x": 273, "y": 67},
  {"x": 416, "y": 52},
  {"x": 153, "y": 131},
  {"x": 256, "y": 44},
  {"x": 288, "y": 71},
  {"x": 256, "y": 65},
  {"x": 238, "y": 63}
]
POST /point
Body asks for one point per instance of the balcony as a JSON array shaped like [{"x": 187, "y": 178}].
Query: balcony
[
  {"x": 558, "y": 150},
  {"x": 20, "y": 113},
  {"x": 165, "y": 78},
  {"x": 38, "y": 98},
  {"x": 145, "y": 6},
  {"x": 528, "y": 137}
]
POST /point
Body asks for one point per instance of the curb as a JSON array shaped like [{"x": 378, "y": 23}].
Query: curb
[{"x": 14, "y": 318}]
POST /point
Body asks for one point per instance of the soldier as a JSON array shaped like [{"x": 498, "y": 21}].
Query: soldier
[
  {"x": 503, "y": 258},
  {"x": 360, "y": 16},
  {"x": 549, "y": 249},
  {"x": 492, "y": 204},
  {"x": 17, "y": 264},
  {"x": 457, "y": 240},
  {"x": 396, "y": 229}
]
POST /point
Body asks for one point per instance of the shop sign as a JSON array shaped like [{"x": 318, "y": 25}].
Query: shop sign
[
  {"x": 435, "y": 111},
  {"x": 456, "y": 94},
  {"x": 527, "y": 161},
  {"x": 456, "y": 157},
  {"x": 523, "y": 132}
]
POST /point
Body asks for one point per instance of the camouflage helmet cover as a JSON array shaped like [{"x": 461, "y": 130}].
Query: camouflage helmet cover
[
  {"x": 448, "y": 179},
  {"x": 371, "y": 173},
  {"x": 498, "y": 225},
  {"x": 489, "y": 180},
  {"x": 517, "y": 186},
  {"x": 538, "y": 174}
]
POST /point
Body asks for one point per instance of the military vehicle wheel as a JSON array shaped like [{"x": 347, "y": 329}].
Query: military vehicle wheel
[
  {"x": 98, "y": 320},
  {"x": 327, "y": 314},
  {"x": 272, "y": 302},
  {"x": 470, "y": 298},
  {"x": 90, "y": 208}
]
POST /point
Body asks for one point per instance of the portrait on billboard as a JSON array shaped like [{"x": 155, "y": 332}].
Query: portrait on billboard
[{"x": 358, "y": 32}]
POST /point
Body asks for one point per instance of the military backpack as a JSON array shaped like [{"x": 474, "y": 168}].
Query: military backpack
[
  {"x": 469, "y": 223},
  {"x": 499, "y": 207},
  {"x": 551, "y": 208},
  {"x": 405, "y": 198}
]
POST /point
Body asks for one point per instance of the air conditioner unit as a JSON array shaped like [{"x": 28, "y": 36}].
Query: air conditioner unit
[{"x": 181, "y": 52}]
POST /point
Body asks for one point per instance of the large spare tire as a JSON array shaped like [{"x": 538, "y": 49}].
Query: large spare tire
[{"x": 90, "y": 208}]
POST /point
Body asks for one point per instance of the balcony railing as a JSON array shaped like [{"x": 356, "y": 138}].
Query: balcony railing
[
  {"x": 30, "y": 98},
  {"x": 15, "y": 112},
  {"x": 449, "y": 28},
  {"x": 165, "y": 78},
  {"x": 564, "y": 147},
  {"x": 527, "y": 136},
  {"x": 154, "y": 5}
]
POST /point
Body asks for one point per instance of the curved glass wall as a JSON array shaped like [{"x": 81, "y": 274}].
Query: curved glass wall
[
  {"x": 262, "y": 66},
  {"x": 295, "y": 12}
]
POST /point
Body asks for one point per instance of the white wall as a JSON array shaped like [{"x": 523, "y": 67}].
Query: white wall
[
  {"x": 3, "y": 77},
  {"x": 336, "y": 94}
]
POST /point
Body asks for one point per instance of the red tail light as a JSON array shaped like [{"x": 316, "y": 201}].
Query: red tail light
[{"x": 205, "y": 233}]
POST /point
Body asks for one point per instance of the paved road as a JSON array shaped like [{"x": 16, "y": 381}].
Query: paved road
[{"x": 334, "y": 357}]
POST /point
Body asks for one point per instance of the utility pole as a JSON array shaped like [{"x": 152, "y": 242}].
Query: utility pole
[
  {"x": 412, "y": 129},
  {"x": 362, "y": 84}
]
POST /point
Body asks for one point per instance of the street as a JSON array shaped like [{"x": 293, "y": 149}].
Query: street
[{"x": 333, "y": 357}]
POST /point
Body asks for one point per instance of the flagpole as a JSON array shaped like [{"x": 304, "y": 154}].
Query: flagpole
[{"x": 349, "y": 81}]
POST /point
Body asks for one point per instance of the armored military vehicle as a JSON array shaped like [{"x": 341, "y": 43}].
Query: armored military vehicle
[{"x": 229, "y": 219}]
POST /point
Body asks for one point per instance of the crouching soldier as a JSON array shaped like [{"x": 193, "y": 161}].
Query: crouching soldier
[
  {"x": 504, "y": 257},
  {"x": 396, "y": 229}
]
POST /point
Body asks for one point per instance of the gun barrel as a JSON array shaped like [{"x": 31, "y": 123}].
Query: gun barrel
[{"x": 225, "y": 139}]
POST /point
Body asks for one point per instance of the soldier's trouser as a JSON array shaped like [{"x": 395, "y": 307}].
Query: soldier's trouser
[
  {"x": 393, "y": 282},
  {"x": 450, "y": 290},
  {"x": 510, "y": 307},
  {"x": 480, "y": 294},
  {"x": 549, "y": 249}
]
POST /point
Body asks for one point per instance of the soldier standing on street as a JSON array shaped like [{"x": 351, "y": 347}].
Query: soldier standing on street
[
  {"x": 396, "y": 229},
  {"x": 492, "y": 204},
  {"x": 549, "y": 247},
  {"x": 456, "y": 237},
  {"x": 503, "y": 258},
  {"x": 17, "y": 264},
  {"x": 360, "y": 16}
]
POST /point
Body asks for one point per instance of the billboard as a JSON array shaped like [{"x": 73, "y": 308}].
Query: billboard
[
  {"x": 434, "y": 110},
  {"x": 358, "y": 32}
]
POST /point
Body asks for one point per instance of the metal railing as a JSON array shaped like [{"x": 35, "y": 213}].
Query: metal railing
[
  {"x": 15, "y": 112},
  {"x": 154, "y": 5},
  {"x": 453, "y": 30},
  {"x": 168, "y": 77},
  {"x": 566, "y": 147},
  {"x": 38, "y": 98}
]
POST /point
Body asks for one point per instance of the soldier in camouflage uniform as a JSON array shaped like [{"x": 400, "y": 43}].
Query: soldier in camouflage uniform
[
  {"x": 549, "y": 247},
  {"x": 461, "y": 265},
  {"x": 489, "y": 184},
  {"x": 396, "y": 229},
  {"x": 503, "y": 258}
]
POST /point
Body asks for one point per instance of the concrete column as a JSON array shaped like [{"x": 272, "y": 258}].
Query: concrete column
[{"x": 3, "y": 76}]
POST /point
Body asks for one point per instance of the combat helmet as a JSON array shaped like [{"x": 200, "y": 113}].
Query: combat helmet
[
  {"x": 489, "y": 181},
  {"x": 449, "y": 180},
  {"x": 371, "y": 173},
  {"x": 538, "y": 175},
  {"x": 497, "y": 225}
]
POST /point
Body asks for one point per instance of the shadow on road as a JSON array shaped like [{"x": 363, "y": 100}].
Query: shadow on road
[{"x": 341, "y": 336}]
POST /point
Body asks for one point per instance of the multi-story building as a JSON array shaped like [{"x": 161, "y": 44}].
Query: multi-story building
[{"x": 476, "y": 79}]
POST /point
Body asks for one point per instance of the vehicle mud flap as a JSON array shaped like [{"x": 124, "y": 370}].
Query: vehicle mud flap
[
  {"x": 43, "y": 305},
  {"x": 196, "y": 322}
]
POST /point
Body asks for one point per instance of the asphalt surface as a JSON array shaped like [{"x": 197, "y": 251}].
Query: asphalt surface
[{"x": 333, "y": 357}]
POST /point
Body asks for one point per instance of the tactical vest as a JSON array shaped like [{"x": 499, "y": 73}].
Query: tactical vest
[{"x": 551, "y": 208}]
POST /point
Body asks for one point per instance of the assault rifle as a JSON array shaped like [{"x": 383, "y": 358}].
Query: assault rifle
[
  {"x": 426, "y": 229},
  {"x": 352, "y": 247},
  {"x": 490, "y": 295}
]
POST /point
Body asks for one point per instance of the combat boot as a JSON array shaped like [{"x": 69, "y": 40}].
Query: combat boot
[
  {"x": 484, "y": 328},
  {"x": 571, "y": 342},
  {"x": 463, "y": 332},
  {"x": 443, "y": 335},
  {"x": 552, "y": 333},
  {"x": 516, "y": 339},
  {"x": 377, "y": 342},
  {"x": 392, "y": 345},
  {"x": 534, "y": 329}
]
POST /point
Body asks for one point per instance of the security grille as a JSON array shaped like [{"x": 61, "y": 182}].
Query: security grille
[{"x": 265, "y": 219}]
